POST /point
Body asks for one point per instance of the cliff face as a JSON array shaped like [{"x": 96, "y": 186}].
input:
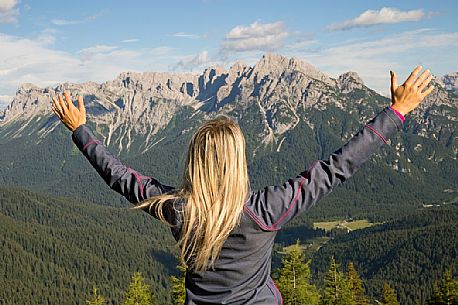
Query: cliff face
[
  {"x": 450, "y": 82},
  {"x": 290, "y": 112},
  {"x": 144, "y": 103}
]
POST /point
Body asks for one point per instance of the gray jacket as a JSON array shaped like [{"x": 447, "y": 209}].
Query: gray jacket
[{"x": 242, "y": 271}]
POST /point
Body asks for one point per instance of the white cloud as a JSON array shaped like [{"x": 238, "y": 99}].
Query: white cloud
[
  {"x": 301, "y": 44},
  {"x": 97, "y": 50},
  {"x": 129, "y": 40},
  {"x": 24, "y": 60},
  {"x": 8, "y": 11},
  {"x": 47, "y": 36},
  {"x": 193, "y": 61},
  {"x": 76, "y": 21},
  {"x": 400, "y": 52},
  {"x": 256, "y": 36},
  {"x": 374, "y": 17},
  {"x": 186, "y": 35}
]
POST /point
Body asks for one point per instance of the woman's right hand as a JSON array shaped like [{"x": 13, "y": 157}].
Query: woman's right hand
[{"x": 408, "y": 96}]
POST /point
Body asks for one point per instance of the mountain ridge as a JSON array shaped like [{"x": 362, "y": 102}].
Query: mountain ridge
[
  {"x": 144, "y": 103},
  {"x": 289, "y": 112}
]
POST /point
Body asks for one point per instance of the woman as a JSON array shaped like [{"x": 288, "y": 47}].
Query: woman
[{"x": 225, "y": 231}]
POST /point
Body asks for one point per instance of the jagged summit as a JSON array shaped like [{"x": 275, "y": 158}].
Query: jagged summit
[
  {"x": 215, "y": 86},
  {"x": 349, "y": 81},
  {"x": 450, "y": 82},
  {"x": 275, "y": 65},
  {"x": 280, "y": 88}
]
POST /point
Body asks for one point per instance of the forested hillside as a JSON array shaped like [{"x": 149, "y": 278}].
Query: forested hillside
[
  {"x": 411, "y": 253},
  {"x": 54, "y": 250}
]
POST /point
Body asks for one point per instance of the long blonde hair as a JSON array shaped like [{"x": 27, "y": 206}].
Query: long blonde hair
[{"x": 215, "y": 185}]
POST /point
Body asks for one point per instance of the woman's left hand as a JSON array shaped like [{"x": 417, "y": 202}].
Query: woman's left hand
[{"x": 71, "y": 116}]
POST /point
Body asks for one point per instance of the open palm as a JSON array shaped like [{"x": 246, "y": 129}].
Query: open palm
[
  {"x": 71, "y": 116},
  {"x": 408, "y": 96}
]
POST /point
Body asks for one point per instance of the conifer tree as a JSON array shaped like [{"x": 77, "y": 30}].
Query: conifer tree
[
  {"x": 356, "y": 286},
  {"x": 294, "y": 280},
  {"x": 446, "y": 293},
  {"x": 96, "y": 298},
  {"x": 138, "y": 292},
  {"x": 178, "y": 287},
  {"x": 389, "y": 295},
  {"x": 337, "y": 289}
]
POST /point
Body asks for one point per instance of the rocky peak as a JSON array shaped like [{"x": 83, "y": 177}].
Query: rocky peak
[
  {"x": 450, "y": 82},
  {"x": 349, "y": 81},
  {"x": 238, "y": 68},
  {"x": 275, "y": 66},
  {"x": 29, "y": 101}
]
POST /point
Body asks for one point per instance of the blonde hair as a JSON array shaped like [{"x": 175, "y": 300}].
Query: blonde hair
[{"x": 215, "y": 186}]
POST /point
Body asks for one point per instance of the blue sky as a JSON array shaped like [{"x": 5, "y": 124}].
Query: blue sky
[{"x": 49, "y": 42}]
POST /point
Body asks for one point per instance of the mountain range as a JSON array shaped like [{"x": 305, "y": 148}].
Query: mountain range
[{"x": 291, "y": 114}]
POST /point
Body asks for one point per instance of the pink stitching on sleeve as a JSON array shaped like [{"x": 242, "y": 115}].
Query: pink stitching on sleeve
[
  {"x": 292, "y": 204},
  {"x": 377, "y": 133},
  {"x": 91, "y": 141},
  {"x": 257, "y": 220},
  {"x": 274, "y": 226}
]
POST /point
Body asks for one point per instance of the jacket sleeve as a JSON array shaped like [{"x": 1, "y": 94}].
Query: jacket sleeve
[
  {"x": 121, "y": 178},
  {"x": 273, "y": 206}
]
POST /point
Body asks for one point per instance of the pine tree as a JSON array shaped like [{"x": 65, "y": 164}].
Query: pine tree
[
  {"x": 389, "y": 295},
  {"x": 337, "y": 289},
  {"x": 356, "y": 286},
  {"x": 178, "y": 287},
  {"x": 138, "y": 292},
  {"x": 294, "y": 280},
  {"x": 447, "y": 293},
  {"x": 96, "y": 299}
]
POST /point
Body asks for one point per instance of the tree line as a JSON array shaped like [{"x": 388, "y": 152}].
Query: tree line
[{"x": 296, "y": 285}]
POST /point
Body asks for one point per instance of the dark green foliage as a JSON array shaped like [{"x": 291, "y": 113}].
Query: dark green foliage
[
  {"x": 447, "y": 292},
  {"x": 369, "y": 194},
  {"x": 138, "y": 292},
  {"x": 294, "y": 280},
  {"x": 337, "y": 289},
  {"x": 96, "y": 298},
  {"x": 55, "y": 249},
  {"x": 356, "y": 286},
  {"x": 388, "y": 295},
  {"x": 412, "y": 252},
  {"x": 178, "y": 287}
]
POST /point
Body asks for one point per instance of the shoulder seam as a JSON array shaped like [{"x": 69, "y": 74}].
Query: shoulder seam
[{"x": 293, "y": 203}]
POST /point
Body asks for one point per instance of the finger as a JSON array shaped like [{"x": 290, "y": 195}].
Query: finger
[
  {"x": 412, "y": 76},
  {"x": 63, "y": 106},
  {"x": 427, "y": 92},
  {"x": 81, "y": 104},
  {"x": 57, "y": 105},
  {"x": 425, "y": 83},
  {"x": 68, "y": 99},
  {"x": 394, "y": 82},
  {"x": 56, "y": 112},
  {"x": 421, "y": 78}
]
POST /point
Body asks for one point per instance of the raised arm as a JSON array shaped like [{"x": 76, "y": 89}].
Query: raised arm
[
  {"x": 273, "y": 206},
  {"x": 121, "y": 178},
  {"x": 134, "y": 186}
]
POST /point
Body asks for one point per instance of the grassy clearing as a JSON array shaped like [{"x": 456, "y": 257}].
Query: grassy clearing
[
  {"x": 308, "y": 247},
  {"x": 350, "y": 224}
]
